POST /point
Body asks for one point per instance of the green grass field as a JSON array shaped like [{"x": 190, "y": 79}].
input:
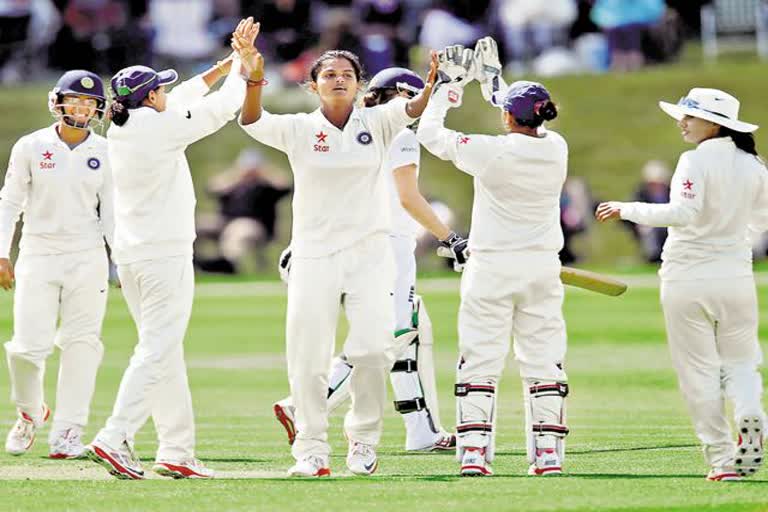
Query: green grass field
[{"x": 631, "y": 444}]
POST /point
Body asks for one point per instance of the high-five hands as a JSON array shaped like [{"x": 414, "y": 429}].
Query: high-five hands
[
  {"x": 456, "y": 65},
  {"x": 243, "y": 39},
  {"x": 488, "y": 68}
]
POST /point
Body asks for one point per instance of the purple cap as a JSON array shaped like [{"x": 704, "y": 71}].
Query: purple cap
[
  {"x": 132, "y": 84},
  {"x": 522, "y": 99}
]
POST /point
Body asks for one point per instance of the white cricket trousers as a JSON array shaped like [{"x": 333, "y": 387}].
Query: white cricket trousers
[
  {"x": 359, "y": 278},
  {"x": 712, "y": 336},
  {"x": 159, "y": 295},
  {"x": 69, "y": 290},
  {"x": 520, "y": 295}
]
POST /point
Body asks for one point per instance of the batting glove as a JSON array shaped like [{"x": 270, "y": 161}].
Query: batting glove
[
  {"x": 488, "y": 68},
  {"x": 284, "y": 264},
  {"x": 455, "y": 247}
]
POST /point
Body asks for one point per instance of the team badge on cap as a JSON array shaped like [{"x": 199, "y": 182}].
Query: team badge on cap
[
  {"x": 94, "y": 163},
  {"x": 364, "y": 138},
  {"x": 87, "y": 82}
]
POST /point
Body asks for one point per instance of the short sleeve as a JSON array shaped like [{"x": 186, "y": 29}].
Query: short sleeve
[
  {"x": 404, "y": 150},
  {"x": 274, "y": 130}
]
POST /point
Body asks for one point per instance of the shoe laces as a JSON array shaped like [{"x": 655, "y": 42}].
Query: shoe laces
[
  {"x": 363, "y": 450},
  {"x": 130, "y": 454},
  {"x": 23, "y": 428},
  {"x": 316, "y": 461},
  {"x": 69, "y": 437}
]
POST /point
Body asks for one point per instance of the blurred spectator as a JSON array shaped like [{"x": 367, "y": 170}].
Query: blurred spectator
[
  {"x": 623, "y": 22},
  {"x": 382, "y": 43},
  {"x": 653, "y": 189},
  {"x": 455, "y": 22},
  {"x": 286, "y": 29},
  {"x": 530, "y": 28},
  {"x": 247, "y": 199},
  {"x": 15, "y": 16},
  {"x": 575, "y": 215},
  {"x": 101, "y": 35},
  {"x": 181, "y": 31}
]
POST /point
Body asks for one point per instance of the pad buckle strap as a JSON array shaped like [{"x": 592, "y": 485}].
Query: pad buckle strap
[
  {"x": 554, "y": 389},
  {"x": 466, "y": 389},
  {"x": 405, "y": 365},
  {"x": 468, "y": 428},
  {"x": 406, "y": 406},
  {"x": 550, "y": 429}
]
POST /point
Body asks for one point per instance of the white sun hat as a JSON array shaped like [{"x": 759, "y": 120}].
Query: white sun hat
[{"x": 711, "y": 105}]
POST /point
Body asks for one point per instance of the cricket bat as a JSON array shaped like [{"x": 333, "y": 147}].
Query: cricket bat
[{"x": 592, "y": 281}]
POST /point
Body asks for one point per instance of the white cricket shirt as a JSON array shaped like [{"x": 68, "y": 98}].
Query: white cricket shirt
[
  {"x": 517, "y": 180},
  {"x": 718, "y": 194},
  {"x": 404, "y": 150},
  {"x": 60, "y": 191},
  {"x": 341, "y": 193},
  {"x": 154, "y": 197}
]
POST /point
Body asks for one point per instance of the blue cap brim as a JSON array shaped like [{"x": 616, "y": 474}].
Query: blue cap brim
[{"x": 167, "y": 76}]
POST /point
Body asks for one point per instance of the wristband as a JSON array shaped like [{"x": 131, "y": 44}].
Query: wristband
[{"x": 256, "y": 83}]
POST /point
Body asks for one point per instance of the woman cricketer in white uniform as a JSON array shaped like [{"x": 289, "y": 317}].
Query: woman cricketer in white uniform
[
  {"x": 413, "y": 374},
  {"x": 154, "y": 231},
  {"x": 511, "y": 283},
  {"x": 340, "y": 250},
  {"x": 719, "y": 197},
  {"x": 59, "y": 178}
]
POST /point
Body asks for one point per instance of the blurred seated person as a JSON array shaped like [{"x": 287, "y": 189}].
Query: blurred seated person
[
  {"x": 575, "y": 215},
  {"x": 247, "y": 199},
  {"x": 653, "y": 189}
]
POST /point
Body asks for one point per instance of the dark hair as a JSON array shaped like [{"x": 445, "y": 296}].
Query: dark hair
[
  {"x": 743, "y": 141},
  {"x": 336, "y": 54},
  {"x": 544, "y": 110},
  {"x": 379, "y": 96},
  {"x": 118, "y": 113}
]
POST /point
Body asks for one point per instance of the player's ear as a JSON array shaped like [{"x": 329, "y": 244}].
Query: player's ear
[{"x": 313, "y": 86}]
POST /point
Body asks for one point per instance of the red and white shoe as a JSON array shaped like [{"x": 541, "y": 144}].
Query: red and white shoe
[
  {"x": 66, "y": 444},
  {"x": 723, "y": 474},
  {"x": 120, "y": 462},
  {"x": 189, "y": 468},
  {"x": 22, "y": 436},
  {"x": 285, "y": 414},
  {"x": 445, "y": 442},
  {"x": 473, "y": 463},
  {"x": 749, "y": 450},
  {"x": 312, "y": 466},
  {"x": 547, "y": 463}
]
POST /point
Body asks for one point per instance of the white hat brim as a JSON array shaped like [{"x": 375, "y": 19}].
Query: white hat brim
[{"x": 677, "y": 112}]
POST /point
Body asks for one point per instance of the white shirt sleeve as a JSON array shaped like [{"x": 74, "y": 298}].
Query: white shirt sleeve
[
  {"x": 685, "y": 199},
  {"x": 107, "y": 206},
  {"x": 275, "y": 130},
  {"x": 187, "y": 93},
  {"x": 390, "y": 118},
  {"x": 189, "y": 124},
  {"x": 404, "y": 150},
  {"x": 13, "y": 196},
  {"x": 758, "y": 224},
  {"x": 470, "y": 153}
]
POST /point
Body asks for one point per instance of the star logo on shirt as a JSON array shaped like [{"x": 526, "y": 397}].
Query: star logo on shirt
[
  {"x": 47, "y": 155},
  {"x": 463, "y": 140},
  {"x": 321, "y": 136},
  {"x": 688, "y": 185}
]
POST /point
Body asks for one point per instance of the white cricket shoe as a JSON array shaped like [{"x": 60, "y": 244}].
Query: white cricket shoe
[
  {"x": 444, "y": 442},
  {"x": 547, "y": 463},
  {"x": 22, "y": 436},
  {"x": 187, "y": 468},
  {"x": 749, "y": 450},
  {"x": 120, "y": 462},
  {"x": 310, "y": 466},
  {"x": 723, "y": 474},
  {"x": 362, "y": 459},
  {"x": 66, "y": 444},
  {"x": 286, "y": 415},
  {"x": 473, "y": 462}
]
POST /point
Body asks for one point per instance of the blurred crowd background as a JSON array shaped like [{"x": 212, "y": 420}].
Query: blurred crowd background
[{"x": 635, "y": 50}]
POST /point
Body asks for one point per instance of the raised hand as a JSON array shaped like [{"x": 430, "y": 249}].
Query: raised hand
[
  {"x": 456, "y": 65},
  {"x": 243, "y": 39},
  {"x": 487, "y": 63},
  {"x": 434, "y": 63}
]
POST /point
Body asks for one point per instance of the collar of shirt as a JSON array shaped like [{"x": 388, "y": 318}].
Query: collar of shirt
[
  {"x": 53, "y": 137},
  {"x": 716, "y": 141}
]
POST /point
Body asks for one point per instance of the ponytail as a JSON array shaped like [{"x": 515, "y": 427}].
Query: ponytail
[
  {"x": 743, "y": 141},
  {"x": 544, "y": 110},
  {"x": 118, "y": 113}
]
